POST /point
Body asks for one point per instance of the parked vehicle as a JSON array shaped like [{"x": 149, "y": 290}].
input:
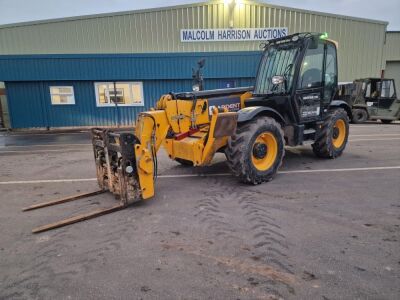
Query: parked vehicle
[{"x": 371, "y": 99}]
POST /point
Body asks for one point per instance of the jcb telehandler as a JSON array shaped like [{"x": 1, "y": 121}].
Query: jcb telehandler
[{"x": 290, "y": 104}]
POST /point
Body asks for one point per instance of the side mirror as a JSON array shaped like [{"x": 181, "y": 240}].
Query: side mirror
[{"x": 277, "y": 79}]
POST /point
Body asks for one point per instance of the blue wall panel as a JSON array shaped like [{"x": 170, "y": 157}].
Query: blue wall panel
[
  {"x": 30, "y": 104},
  {"x": 126, "y": 66},
  {"x": 28, "y": 79}
]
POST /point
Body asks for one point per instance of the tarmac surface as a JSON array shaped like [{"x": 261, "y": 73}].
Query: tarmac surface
[{"x": 322, "y": 229}]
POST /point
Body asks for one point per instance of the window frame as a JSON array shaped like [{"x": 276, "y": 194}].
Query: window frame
[
  {"x": 73, "y": 102},
  {"x": 327, "y": 47},
  {"x": 130, "y": 83},
  {"x": 391, "y": 89},
  {"x": 299, "y": 85}
]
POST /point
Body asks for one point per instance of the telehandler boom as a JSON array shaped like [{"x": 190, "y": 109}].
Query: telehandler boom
[{"x": 291, "y": 104}]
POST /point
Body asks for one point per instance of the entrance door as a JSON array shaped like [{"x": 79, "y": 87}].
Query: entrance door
[{"x": 393, "y": 71}]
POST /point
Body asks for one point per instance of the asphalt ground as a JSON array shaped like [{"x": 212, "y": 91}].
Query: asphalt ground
[{"x": 322, "y": 229}]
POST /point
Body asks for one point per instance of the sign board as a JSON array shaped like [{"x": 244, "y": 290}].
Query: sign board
[
  {"x": 232, "y": 34},
  {"x": 227, "y": 84}
]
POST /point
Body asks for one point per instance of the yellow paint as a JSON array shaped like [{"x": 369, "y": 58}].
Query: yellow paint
[
  {"x": 243, "y": 99},
  {"x": 176, "y": 117},
  {"x": 269, "y": 140},
  {"x": 339, "y": 140},
  {"x": 189, "y": 148},
  {"x": 151, "y": 129},
  {"x": 145, "y": 171},
  {"x": 209, "y": 149},
  {"x": 179, "y": 114}
]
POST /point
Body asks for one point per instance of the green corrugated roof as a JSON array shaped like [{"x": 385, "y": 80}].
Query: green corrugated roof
[{"x": 194, "y": 4}]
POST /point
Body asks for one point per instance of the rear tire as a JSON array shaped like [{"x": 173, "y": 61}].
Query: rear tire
[
  {"x": 184, "y": 162},
  {"x": 255, "y": 152},
  {"x": 331, "y": 138},
  {"x": 359, "y": 116},
  {"x": 386, "y": 121}
]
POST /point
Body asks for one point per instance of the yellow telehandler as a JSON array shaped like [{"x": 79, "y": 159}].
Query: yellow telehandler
[{"x": 290, "y": 104}]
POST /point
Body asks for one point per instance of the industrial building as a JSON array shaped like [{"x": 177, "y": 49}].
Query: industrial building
[
  {"x": 392, "y": 58},
  {"x": 71, "y": 72}
]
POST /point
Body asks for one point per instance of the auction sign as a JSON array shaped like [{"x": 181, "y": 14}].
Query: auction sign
[{"x": 232, "y": 34}]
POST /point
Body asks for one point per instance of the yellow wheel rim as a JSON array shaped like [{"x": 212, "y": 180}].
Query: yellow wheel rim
[
  {"x": 339, "y": 133},
  {"x": 265, "y": 151}
]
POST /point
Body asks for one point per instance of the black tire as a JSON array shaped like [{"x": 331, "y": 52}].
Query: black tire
[
  {"x": 324, "y": 145},
  {"x": 184, "y": 162},
  {"x": 386, "y": 121},
  {"x": 241, "y": 148},
  {"x": 360, "y": 115}
]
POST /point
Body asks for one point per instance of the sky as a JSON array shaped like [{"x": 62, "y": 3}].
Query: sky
[{"x": 13, "y": 11}]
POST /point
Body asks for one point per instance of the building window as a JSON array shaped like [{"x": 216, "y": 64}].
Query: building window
[
  {"x": 61, "y": 95},
  {"x": 120, "y": 93}
]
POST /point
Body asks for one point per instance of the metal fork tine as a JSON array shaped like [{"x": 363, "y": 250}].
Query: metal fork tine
[
  {"x": 62, "y": 200},
  {"x": 79, "y": 218}
]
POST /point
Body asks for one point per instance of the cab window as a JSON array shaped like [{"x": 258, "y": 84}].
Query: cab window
[
  {"x": 330, "y": 72},
  {"x": 311, "y": 68},
  {"x": 387, "y": 89},
  {"x": 368, "y": 91}
]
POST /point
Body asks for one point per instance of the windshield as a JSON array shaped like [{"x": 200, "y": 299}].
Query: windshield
[{"x": 277, "y": 60}]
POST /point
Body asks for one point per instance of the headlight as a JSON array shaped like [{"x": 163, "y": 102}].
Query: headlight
[{"x": 196, "y": 88}]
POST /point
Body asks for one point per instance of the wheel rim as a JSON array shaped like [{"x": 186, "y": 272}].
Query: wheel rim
[
  {"x": 339, "y": 133},
  {"x": 265, "y": 151}
]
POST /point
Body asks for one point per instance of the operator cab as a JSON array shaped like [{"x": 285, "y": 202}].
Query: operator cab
[
  {"x": 297, "y": 76},
  {"x": 379, "y": 93}
]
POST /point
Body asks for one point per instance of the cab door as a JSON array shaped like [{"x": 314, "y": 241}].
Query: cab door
[
  {"x": 371, "y": 93},
  {"x": 387, "y": 95},
  {"x": 309, "y": 92}
]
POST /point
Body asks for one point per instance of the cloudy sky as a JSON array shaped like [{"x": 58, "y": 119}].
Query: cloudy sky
[{"x": 12, "y": 11}]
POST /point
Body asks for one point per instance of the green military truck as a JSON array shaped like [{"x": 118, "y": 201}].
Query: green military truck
[{"x": 371, "y": 99}]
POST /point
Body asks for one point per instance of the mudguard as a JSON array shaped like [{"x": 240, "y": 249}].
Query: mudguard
[
  {"x": 342, "y": 104},
  {"x": 249, "y": 113}
]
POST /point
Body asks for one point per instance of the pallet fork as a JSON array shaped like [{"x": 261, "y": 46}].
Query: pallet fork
[{"x": 115, "y": 168}]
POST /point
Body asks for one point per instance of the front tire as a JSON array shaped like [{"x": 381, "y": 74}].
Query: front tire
[
  {"x": 331, "y": 138},
  {"x": 255, "y": 152},
  {"x": 359, "y": 116}
]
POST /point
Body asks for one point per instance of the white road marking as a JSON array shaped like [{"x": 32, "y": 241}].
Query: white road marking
[
  {"x": 31, "y": 151},
  {"x": 376, "y": 126},
  {"x": 47, "y": 145},
  {"x": 204, "y": 175},
  {"x": 45, "y": 134},
  {"x": 34, "y": 151},
  {"x": 362, "y": 140},
  {"x": 341, "y": 170},
  {"x": 47, "y": 181},
  {"x": 377, "y": 134}
]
